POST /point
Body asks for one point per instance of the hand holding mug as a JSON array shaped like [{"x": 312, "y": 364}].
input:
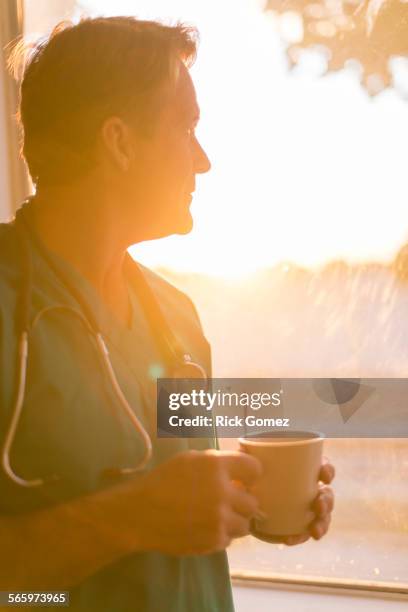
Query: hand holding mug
[
  {"x": 295, "y": 502},
  {"x": 322, "y": 506}
]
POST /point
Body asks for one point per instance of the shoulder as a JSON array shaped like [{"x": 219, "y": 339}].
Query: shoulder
[
  {"x": 9, "y": 271},
  {"x": 9, "y": 284},
  {"x": 9, "y": 252},
  {"x": 181, "y": 314},
  {"x": 10, "y": 267},
  {"x": 172, "y": 300}
]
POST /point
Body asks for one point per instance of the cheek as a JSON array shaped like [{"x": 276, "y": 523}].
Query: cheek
[
  {"x": 174, "y": 158},
  {"x": 163, "y": 175}
]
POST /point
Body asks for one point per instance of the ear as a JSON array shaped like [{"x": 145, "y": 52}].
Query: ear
[{"x": 117, "y": 142}]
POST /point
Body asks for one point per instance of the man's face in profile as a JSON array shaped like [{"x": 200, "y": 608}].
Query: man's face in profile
[{"x": 163, "y": 175}]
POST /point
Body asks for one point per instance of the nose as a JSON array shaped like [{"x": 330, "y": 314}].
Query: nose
[{"x": 201, "y": 162}]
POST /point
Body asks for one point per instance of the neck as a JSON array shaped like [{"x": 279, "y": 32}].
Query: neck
[{"x": 78, "y": 226}]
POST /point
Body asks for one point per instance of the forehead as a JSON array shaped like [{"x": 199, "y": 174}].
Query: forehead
[{"x": 185, "y": 99}]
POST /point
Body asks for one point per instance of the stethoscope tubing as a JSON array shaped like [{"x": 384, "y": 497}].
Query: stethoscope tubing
[
  {"x": 26, "y": 327},
  {"x": 19, "y": 401}
]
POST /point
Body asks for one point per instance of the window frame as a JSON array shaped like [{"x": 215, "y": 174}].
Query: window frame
[
  {"x": 15, "y": 185},
  {"x": 310, "y": 583}
]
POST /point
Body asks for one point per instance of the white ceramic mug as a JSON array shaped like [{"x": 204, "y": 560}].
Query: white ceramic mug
[{"x": 291, "y": 464}]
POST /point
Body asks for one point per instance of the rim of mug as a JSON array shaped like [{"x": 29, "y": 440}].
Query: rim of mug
[{"x": 258, "y": 441}]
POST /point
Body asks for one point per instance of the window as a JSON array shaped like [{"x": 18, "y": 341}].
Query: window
[{"x": 310, "y": 171}]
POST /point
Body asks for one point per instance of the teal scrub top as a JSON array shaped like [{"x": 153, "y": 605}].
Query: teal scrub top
[{"x": 72, "y": 426}]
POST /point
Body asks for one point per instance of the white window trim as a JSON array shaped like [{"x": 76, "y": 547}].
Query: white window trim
[
  {"x": 261, "y": 596},
  {"x": 13, "y": 175},
  {"x": 321, "y": 584}
]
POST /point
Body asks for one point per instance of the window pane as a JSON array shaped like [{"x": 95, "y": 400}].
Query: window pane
[{"x": 305, "y": 170}]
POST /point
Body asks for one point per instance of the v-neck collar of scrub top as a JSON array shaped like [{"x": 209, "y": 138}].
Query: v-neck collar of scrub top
[
  {"x": 131, "y": 359},
  {"x": 128, "y": 345},
  {"x": 114, "y": 331}
]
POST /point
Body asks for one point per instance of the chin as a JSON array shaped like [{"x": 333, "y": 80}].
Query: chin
[
  {"x": 182, "y": 224},
  {"x": 187, "y": 227},
  {"x": 176, "y": 227}
]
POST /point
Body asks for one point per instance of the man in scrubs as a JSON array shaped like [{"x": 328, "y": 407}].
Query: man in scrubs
[{"x": 108, "y": 110}]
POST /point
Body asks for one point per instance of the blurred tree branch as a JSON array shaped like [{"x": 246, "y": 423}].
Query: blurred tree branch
[{"x": 370, "y": 32}]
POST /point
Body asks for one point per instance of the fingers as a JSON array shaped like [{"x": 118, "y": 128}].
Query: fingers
[
  {"x": 324, "y": 502},
  {"x": 322, "y": 506},
  {"x": 295, "y": 540},
  {"x": 243, "y": 502},
  {"x": 241, "y": 466},
  {"x": 237, "y": 525},
  {"x": 320, "y": 527},
  {"x": 327, "y": 471},
  {"x": 317, "y": 530}
]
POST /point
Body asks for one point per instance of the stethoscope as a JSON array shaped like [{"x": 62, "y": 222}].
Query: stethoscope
[{"x": 182, "y": 364}]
